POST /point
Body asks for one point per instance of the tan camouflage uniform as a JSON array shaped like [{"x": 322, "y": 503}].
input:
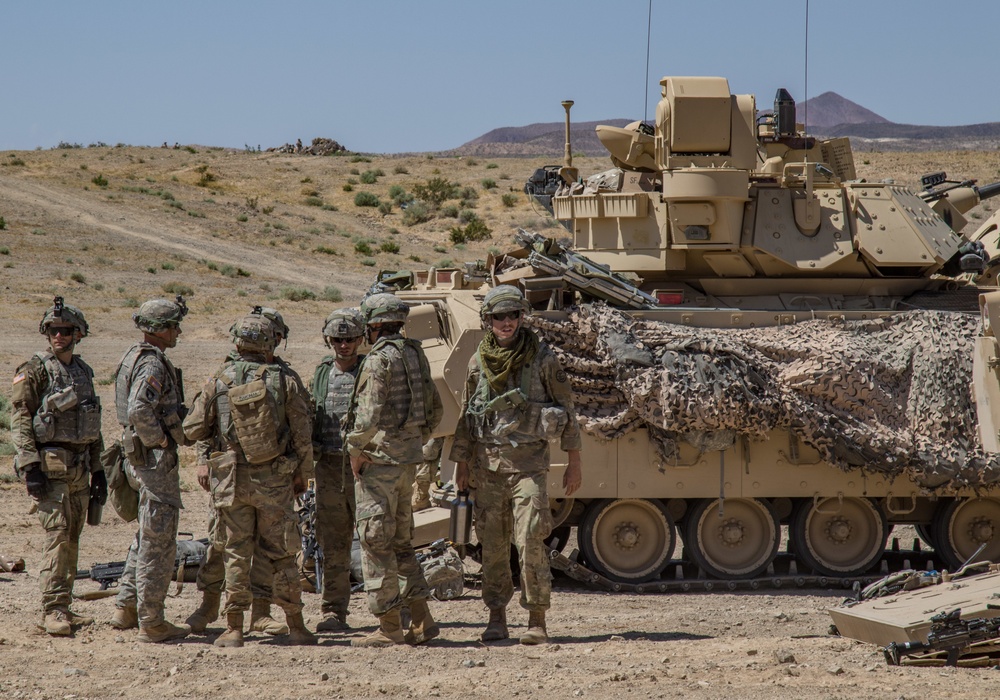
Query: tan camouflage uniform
[
  {"x": 427, "y": 473},
  {"x": 335, "y": 498},
  {"x": 154, "y": 393},
  {"x": 509, "y": 475},
  {"x": 63, "y": 509},
  {"x": 254, "y": 507},
  {"x": 382, "y": 432}
]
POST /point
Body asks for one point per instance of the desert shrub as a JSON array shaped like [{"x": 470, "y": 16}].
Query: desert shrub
[
  {"x": 509, "y": 199},
  {"x": 414, "y": 258},
  {"x": 130, "y": 302},
  {"x": 396, "y": 191},
  {"x": 78, "y": 278},
  {"x": 366, "y": 199},
  {"x": 440, "y": 249},
  {"x": 331, "y": 294},
  {"x": 306, "y": 179},
  {"x": 99, "y": 180},
  {"x": 488, "y": 183},
  {"x": 325, "y": 250},
  {"x": 475, "y": 230},
  {"x": 492, "y": 166},
  {"x": 416, "y": 213},
  {"x": 267, "y": 210},
  {"x": 401, "y": 170},
  {"x": 451, "y": 211},
  {"x": 444, "y": 262},
  {"x": 467, "y": 215},
  {"x": 4, "y": 250},
  {"x": 363, "y": 247},
  {"x": 242, "y": 218},
  {"x": 368, "y": 262},
  {"x": 348, "y": 187},
  {"x": 297, "y": 294},
  {"x": 189, "y": 149},
  {"x": 3, "y": 224},
  {"x": 314, "y": 202},
  {"x": 329, "y": 207},
  {"x": 369, "y": 177},
  {"x": 360, "y": 159},
  {"x": 178, "y": 288},
  {"x": 281, "y": 226},
  {"x": 468, "y": 193},
  {"x": 151, "y": 270},
  {"x": 436, "y": 191},
  {"x": 471, "y": 162},
  {"x": 389, "y": 247},
  {"x": 385, "y": 208}
]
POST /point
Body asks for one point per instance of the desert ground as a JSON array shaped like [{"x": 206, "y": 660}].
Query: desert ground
[{"x": 108, "y": 227}]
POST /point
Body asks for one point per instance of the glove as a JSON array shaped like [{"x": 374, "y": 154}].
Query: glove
[
  {"x": 37, "y": 483},
  {"x": 99, "y": 487}
]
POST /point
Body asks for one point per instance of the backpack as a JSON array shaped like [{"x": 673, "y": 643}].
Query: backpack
[{"x": 255, "y": 413}]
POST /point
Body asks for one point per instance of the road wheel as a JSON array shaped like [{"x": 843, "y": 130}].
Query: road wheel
[
  {"x": 962, "y": 525},
  {"x": 839, "y": 537},
  {"x": 740, "y": 544},
  {"x": 629, "y": 540}
]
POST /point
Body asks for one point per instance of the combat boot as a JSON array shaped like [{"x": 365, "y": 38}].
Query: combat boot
[
  {"x": 496, "y": 629},
  {"x": 162, "y": 631},
  {"x": 297, "y": 632},
  {"x": 422, "y": 625},
  {"x": 536, "y": 633},
  {"x": 56, "y": 622},
  {"x": 79, "y": 620},
  {"x": 233, "y": 636},
  {"x": 261, "y": 620},
  {"x": 126, "y": 618},
  {"x": 334, "y": 622},
  {"x": 207, "y": 612},
  {"x": 421, "y": 497},
  {"x": 389, "y": 632}
]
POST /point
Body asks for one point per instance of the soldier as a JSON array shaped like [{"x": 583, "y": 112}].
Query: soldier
[
  {"x": 331, "y": 388},
  {"x": 517, "y": 398},
  {"x": 427, "y": 472},
  {"x": 259, "y": 412},
  {"x": 149, "y": 398},
  {"x": 212, "y": 573},
  {"x": 56, "y": 430},
  {"x": 395, "y": 408}
]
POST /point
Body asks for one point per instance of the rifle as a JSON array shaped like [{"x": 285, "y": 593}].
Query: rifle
[
  {"x": 949, "y": 633},
  {"x": 311, "y": 548},
  {"x": 190, "y": 555}
]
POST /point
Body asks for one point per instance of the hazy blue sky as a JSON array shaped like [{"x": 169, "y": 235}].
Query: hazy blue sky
[{"x": 420, "y": 75}]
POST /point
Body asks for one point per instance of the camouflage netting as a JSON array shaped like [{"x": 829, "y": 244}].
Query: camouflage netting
[{"x": 889, "y": 395}]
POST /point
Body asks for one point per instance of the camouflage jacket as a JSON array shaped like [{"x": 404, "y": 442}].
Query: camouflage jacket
[
  {"x": 389, "y": 425},
  {"x": 331, "y": 407},
  {"x": 32, "y": 385},
  {"x": 209, "y": 423},
  {"x": 525, "y": 447}
]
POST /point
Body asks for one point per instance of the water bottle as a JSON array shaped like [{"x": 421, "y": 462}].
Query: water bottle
[
  {"x": 460, "y": 529},
  {"x": 94, "y": 511}
]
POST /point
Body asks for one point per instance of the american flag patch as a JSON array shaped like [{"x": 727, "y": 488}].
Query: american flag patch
[
  {"x": 20, "y": 378},
  {"x": 155, "y": 383}
]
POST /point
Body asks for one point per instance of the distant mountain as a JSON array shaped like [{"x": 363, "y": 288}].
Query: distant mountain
[{"x": 829, "y": 115}]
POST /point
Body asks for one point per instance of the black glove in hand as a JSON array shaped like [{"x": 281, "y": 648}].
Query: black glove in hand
[
  {"x": 37, "y": 482},
  {"x": 99, "y": 487}
]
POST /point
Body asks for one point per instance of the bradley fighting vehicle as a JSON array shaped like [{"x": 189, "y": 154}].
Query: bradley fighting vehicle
[{"x": 721, "y": 228}]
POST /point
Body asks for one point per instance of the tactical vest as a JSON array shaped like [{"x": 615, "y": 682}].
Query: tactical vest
[
  {"x": 251, "y": 410},
  {"x": 332, "y": 391},
  {"x": 518, "y": 416},
  {"x": 410, "y": 400},
  {"x": 70, "y": 410}
]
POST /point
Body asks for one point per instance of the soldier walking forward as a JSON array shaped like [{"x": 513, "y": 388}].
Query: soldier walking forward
[
  {"x": 395, "y": 409},
  {"x": 517, "y": 398},
  {"x": 332, "y": 386},
  {"x": 149, "y": 399},
  {"x": 56, "y": 430},
  {"x": 261, "y": 413}
]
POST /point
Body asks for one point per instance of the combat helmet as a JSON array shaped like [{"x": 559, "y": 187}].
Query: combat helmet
[
  {"x": 156, "y": 315},
  {"x": 280, "y": 327},
  {"x": 384, "y": 308},
  {"x": 504, "y": 297},
  {"x": 343, "y": 323},
  {"x": 65, "y": 314},
  {"x": 255, "y": 332}
]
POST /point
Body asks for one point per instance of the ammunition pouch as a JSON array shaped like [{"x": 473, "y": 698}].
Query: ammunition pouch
[
  {"x": 57, "y": 460},
  {"x": 44, "y": 426},
  {"x": 124, "y": 498},
  {"x": 133, "y": 448}
]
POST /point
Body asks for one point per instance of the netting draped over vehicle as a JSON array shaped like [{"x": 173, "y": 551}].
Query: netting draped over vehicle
[{"x": 890, "y": 395}]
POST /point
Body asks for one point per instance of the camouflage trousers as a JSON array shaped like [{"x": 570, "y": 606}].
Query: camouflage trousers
[
  {"x": 335, "y": 504},
  {"x": 385, "y": 528},
  {"x": 256, "y": 526},
  {"x": 212, "y": 573},
  {"x": 62, "y": 513},
  {"x": 427, "y": 471},
  {"x": 149, "y": 566},
  {"x": 513, "y": 508}
]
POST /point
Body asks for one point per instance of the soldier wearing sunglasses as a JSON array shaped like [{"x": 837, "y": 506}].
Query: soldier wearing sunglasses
[
  {"x": 517, "y": 398},
  {"x": 56, "y": 426}
]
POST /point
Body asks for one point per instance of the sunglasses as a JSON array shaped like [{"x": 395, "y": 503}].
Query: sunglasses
[
  {"x": 509, "y": 315},
  {"x": 342, "y": 340},
  {"x": 65, "y": 331}
]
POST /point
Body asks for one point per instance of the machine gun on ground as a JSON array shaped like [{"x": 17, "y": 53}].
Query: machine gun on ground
[
  {"x": 190, "y": 555},
  {"x": 311, "y": 549},
  {"x": 950, "y": 634}
]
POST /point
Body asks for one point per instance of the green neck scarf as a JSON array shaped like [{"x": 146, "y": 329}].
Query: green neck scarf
[{"x": 498, "y": 363}]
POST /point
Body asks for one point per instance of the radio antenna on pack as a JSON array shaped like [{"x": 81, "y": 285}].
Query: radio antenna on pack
[
  {"x": 649, "y": 29},
  {"x": 805, "y": 80}
]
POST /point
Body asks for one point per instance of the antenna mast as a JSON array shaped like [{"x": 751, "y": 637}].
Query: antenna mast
[
  {"x": 805, "y": 103},
  {"x": 649, "y": 29}
]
